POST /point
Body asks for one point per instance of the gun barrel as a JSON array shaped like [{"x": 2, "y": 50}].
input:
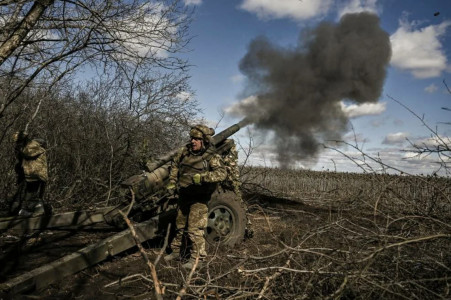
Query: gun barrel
[
  {"x": 220, "y": 137},
  {"x": 217, "y": 139}
]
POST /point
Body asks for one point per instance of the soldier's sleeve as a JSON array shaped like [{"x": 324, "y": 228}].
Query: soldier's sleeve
[
  {"x": 33, "y": 149},
  {"x": 218, "y": 172},
  {"x": 173, "y": 175}
]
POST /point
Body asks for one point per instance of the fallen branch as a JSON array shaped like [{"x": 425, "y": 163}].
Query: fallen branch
[
  {"x": 272, "y": 277},
  {"x": 417, "y": 240},
  {"x": 163, "y": 249},
  {"x": 182, "y": 291},
  {"x": 153, "y": 271}
]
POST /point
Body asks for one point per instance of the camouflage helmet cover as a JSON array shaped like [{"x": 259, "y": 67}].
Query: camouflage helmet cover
[{"x": 202, "y": 132}]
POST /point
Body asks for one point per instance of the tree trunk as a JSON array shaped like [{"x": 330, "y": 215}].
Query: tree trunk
[{"x": 14, "y": 40}]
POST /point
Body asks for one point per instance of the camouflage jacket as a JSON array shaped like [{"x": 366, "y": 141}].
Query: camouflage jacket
[
  {"x": 34, "y": 161},
  {"x": 186, "y": 164},
  {"x": 233, "y": 173}
]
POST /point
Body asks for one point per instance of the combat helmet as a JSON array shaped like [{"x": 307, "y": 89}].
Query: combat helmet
[{"x": 203, "y": 132}]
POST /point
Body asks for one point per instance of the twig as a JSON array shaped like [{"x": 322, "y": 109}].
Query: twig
[
  {"x": 132, "y": 202},
  {"x": 337, "y": 293},
  {"x": 272, "y": 277},
  {"x": 163, "y": 249},
  {"x": 153, "y": 272},
  {"x": 417, "y": 240},
  {"x": 141, "y": 276},
  {"x": 34, "y": 115},
  {"x": 110, "y": 177},
  {"x": 292, "y": 270},
  {"x": 266, "y": 218},
  {"x": 127, "y": 278},
  {"x": 182, "y": 291}
]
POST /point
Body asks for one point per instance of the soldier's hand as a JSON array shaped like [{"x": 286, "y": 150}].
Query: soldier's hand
[
  {"x": 170, "y": 188},
  {"x": 197, "y": 179}
]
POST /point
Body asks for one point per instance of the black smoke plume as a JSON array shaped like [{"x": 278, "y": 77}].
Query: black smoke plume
[{"x": 296, "y": 92}]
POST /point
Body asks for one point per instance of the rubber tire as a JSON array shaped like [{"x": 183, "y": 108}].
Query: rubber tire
[{"x": 226, "y": 223}]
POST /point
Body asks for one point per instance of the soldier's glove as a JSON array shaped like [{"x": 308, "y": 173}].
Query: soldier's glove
[
  {"x": 197, "y": 179},
  {"x": 170, "y": 188}
]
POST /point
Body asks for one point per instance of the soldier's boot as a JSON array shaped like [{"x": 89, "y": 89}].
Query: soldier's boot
[
  {"x": 198, "y": 247},
  {"x": 174, "y": 256},
  {"x": 192, "y": 262}
]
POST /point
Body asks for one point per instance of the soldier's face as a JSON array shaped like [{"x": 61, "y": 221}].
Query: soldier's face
[{"x": 196, "y": 143}]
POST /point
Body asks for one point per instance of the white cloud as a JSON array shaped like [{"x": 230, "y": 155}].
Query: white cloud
[
  {"x": 397, "y": 138},
  {"x": 184, "y": 96},
  {"x": 434, "y": 142},
  {"x": 419, "y": 50},
  {"x": 148, "y": 37},
  {"x": 192, "y": 2},
  {"x": 354, "y": 110},
  {"x": 356, "y": 6},
  {"x": 432, "y": 88},
  {"x": 293, "y": 9}
]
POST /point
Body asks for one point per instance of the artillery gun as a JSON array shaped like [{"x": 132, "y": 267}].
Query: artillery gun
[
  {"x": 146, "y": 201},
  {"x": 145, "y": 196}
]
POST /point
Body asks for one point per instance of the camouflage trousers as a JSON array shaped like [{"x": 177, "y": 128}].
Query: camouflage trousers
[
  {"x": 192, "y": 221},
  {"x": 29, "y": 194}
]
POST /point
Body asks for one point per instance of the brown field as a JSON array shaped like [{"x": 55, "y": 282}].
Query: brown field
[{"x": 317, "y": 235}]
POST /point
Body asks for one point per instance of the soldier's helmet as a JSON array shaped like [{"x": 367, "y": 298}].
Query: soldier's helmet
[{"x": 202, "y": 132}]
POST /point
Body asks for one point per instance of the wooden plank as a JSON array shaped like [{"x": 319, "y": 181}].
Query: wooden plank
[
  {"x": 75, "y": 219},
  {"x": 79, "y": 260}
]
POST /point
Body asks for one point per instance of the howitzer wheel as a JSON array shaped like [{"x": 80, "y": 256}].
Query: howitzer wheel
[{"x": 226, "y": 219}]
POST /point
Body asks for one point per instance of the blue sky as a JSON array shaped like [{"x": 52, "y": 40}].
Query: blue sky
[{"x": 420, "y": 39}]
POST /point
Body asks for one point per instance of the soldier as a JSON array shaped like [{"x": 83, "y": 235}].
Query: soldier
[
  {"x": 233, "y": 181},
  {"x": 31, "y": 170},
  {"x": 194, "y": 175}
]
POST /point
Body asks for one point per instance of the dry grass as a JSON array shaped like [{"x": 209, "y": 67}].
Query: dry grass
[{"x": 352, "y": 243}]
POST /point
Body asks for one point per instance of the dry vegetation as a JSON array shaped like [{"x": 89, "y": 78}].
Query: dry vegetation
[
  {"x": 329, "y": 236},
  {"x": 318, "y": 235}
]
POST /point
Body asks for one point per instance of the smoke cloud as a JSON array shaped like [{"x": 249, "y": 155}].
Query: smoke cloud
[{"x": 296, "y": 92}]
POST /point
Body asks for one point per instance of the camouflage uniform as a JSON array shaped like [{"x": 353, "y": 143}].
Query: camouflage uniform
[
  {"x": 232, "y": 181},
  {"x": 32, "y": 175},
  {"x": 192, "y": 210}
]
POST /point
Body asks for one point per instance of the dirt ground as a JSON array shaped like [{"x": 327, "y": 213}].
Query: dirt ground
[{"x": 298, "y": 251}]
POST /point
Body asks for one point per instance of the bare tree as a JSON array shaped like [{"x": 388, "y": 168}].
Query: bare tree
[{"x": 45, "y": 41}]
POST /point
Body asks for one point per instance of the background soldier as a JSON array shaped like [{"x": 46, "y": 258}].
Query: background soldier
[
  {"x": 233, "y": 182},
  {"x": 32, "y": 176},
  {"x": 195, "y": 172}
]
